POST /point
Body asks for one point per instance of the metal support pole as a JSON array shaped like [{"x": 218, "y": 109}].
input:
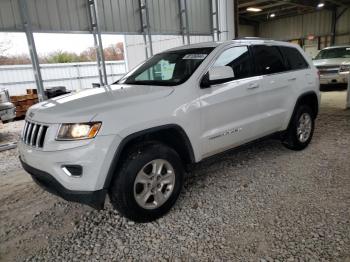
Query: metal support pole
[
  {"x": 182, "y": 28},
  {"x": 184, "y": 22},
  {"x": 95, "y": 29},
  {"x": 32, "y": 49},
  {"x": 215, "y": 20},
  {"x": 236, "y": 18},
  {"x": 187, "y": 24},
  {"x": 146, "y": 29},
  {"x": 334, "y": 25},
  {"x": 348, "y": 94},
  {"x": 149, "y": 35}
]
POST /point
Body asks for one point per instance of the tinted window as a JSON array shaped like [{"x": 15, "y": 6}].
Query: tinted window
[
  {"x": 268, "y": 60},
  {"x": 294, "y": 59},
  {"x": 238, "y": 59}
]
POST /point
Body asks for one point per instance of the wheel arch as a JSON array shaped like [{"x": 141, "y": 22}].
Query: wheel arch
[
  {"x": 171, "y": 135},
  {"x": 309, "y": 98}
]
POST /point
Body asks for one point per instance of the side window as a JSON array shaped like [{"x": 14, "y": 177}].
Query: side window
[
  {"x": 294, "y": 59},
  {"x": 268, "y": 60},
  {"x": 238, "y": 59}
]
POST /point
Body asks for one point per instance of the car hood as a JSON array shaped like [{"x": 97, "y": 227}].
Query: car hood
[
  {"x": 82, "y": 106},
  {"x": 331, "y": 62}
]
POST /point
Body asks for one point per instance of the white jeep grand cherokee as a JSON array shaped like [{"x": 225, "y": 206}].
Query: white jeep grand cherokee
[{"x": 135, "y": 139}]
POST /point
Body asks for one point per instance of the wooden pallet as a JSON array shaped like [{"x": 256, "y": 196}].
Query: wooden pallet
[{"x": 23, "y": 102}]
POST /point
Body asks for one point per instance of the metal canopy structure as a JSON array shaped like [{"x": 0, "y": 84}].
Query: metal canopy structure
[
  {"x": 115, "y": 16},
  {"x": 138, "y": 17},
  {"x": 284, "y": 8}
]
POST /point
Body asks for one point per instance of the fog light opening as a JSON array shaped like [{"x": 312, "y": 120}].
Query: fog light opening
[{"x": 73, "y": 170}]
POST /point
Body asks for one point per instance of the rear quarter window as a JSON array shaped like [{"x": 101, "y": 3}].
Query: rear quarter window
[{"x": 294, "y": 59}]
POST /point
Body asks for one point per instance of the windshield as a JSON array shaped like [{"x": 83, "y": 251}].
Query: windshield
[
  {"x": 341, "y": 52},
  {"x": 168, "y": 68}
]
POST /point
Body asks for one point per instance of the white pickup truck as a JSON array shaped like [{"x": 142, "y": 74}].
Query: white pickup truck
[
  {"x": 135, "y": 139},
  {"x": 7, "y": 109}
]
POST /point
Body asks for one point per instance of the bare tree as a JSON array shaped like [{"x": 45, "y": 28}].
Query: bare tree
[{"x": 5, "y": 45}]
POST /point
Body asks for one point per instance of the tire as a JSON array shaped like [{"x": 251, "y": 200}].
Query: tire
[
  {"x": 136, "y": 180},
  {"x": 294, "y": 139}
]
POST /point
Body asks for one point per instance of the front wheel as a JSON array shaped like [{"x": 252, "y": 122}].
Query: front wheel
[
  {"x": 148, "y": 183},
  {"x": 301, "y": 129}
]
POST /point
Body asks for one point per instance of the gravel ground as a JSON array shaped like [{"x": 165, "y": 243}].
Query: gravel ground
[
  {"x": 259, "y": 203},
  {"x": 9, "y": 159}
]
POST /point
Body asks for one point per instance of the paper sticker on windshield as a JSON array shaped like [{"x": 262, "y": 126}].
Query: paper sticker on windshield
[{"x": 195, "y": 56}]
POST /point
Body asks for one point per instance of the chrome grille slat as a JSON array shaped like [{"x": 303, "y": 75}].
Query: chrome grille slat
[
  {"x": 33, "y": 134},
  {"x": 30, "y": 126},
  {"x": 24, "y": 130},
  {"x": 38, "y": 138}
]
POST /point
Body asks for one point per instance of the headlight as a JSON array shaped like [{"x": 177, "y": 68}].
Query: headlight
[
  {"x": 78, "y": 131},
  {"x": 344, "y": 69}
]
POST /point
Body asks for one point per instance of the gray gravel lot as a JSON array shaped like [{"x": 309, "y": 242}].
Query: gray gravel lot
[{"x": 260, "y": 203}]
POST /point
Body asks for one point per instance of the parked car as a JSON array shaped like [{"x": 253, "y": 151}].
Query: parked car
[
  {"x": 135, "y": 139},
  {"x": 333, "y": 64},
  {"x": 7, "y": 109}
]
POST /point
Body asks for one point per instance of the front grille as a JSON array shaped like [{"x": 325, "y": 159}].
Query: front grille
[
  {"x": 34, "y": 134},
  {"x": 328, "y": 69}
]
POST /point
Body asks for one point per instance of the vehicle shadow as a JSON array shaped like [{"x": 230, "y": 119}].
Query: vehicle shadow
[
  {"x": 333, "y": 87},
  {"x": 239, "y": 158}
]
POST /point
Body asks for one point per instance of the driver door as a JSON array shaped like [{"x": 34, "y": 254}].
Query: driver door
[{"x": 230, "y": 111}]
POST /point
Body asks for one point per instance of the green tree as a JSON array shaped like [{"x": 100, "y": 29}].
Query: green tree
[{"x": 62, "y": 57}]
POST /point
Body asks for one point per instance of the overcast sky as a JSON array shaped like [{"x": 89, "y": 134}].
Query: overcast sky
[{"x": 47, "y": 43}]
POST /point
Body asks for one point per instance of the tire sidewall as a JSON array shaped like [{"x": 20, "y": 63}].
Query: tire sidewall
[
  {"x": 297, "y": 144},
  {"x": 130, "y": 171}
]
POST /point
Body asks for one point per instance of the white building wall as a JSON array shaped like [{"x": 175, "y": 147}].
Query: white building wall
[{"x": 74, "y": 76}]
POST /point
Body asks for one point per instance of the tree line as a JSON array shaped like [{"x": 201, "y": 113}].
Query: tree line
[{"x": 111, "y": 53}]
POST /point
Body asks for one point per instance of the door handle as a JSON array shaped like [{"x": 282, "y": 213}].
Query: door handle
[
  {"x": 292, "y": 79},
  {"x": 253, "y": 85}
]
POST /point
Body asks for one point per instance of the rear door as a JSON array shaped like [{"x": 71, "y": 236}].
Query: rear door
[
  {"x": 275, "y": 87},
  {"x": 299, "y": 76}
]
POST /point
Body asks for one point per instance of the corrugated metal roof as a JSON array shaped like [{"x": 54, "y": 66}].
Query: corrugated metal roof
[
  {"x": 199, "y": 16},
  {"x": 115, "y": 16},
  {"x": 122, "y": 16}
]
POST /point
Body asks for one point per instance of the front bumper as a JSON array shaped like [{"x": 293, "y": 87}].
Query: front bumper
[
  {"x": 94, "y": 199},
  {"x": 94, "y": 157},
  {"x": 328, "y": 79}
]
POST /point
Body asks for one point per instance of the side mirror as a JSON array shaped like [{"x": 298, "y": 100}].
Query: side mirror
[{"x": 217, "y": 75}]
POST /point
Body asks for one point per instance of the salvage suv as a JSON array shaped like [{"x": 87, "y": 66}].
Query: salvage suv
[{"x": 135, "y": 139}]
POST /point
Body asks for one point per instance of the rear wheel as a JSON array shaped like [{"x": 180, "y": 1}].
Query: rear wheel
[
  {"x": 301, "y": 129},
  {"x": 148, "y": 183}
]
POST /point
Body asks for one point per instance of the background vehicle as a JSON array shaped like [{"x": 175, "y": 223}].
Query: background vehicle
[
  {"x": 333, "y": 64},
  {"x": 134, "y": 140},
  {"x": 7, "y": 109}
]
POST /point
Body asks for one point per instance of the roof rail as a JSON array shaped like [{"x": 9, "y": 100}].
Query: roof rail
[{"x": 252, "y": 38}]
